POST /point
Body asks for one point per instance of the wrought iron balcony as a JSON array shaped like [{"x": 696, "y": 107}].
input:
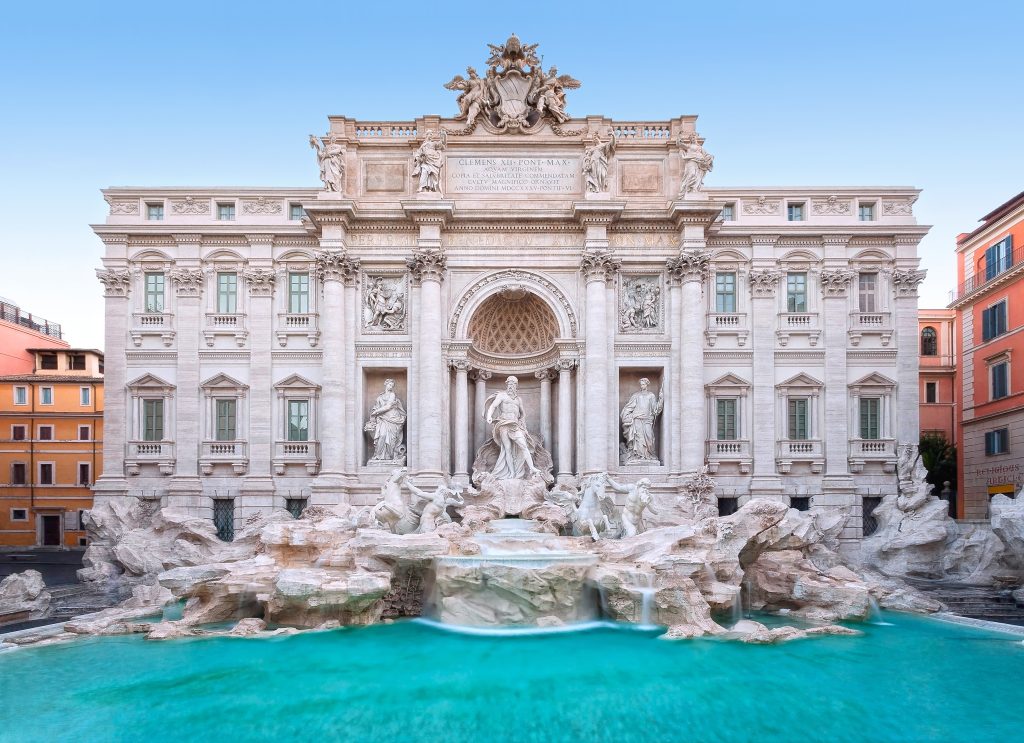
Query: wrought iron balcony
[{"x": 14, "y": 314}]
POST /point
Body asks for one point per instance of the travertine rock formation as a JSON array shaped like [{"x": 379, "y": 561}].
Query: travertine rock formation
[{"x": 24, "y": 592}]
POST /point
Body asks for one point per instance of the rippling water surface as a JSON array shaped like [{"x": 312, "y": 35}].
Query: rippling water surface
[{"x": 915, "y": 680}]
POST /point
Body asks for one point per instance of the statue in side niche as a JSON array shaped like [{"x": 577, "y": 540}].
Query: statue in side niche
[
  {"x": 507, "y": 417},
  {"x": 387, "y": 424},
  {"x": 638, "y": 418}
]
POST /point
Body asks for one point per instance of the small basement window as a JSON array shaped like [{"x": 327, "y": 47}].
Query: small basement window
[
  {"x": 800, "y": 503},
  {"x": 728, "y": 506},
  {"x": 19, "y": 514}
]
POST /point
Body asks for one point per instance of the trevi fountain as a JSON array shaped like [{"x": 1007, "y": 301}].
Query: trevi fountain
[{"x": 604, "y": 564}]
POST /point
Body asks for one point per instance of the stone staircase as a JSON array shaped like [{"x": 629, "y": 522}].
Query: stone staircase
[{"x": 976, "y": 602}]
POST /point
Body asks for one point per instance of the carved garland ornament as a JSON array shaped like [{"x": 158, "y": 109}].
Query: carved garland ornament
[
  {"x": 123, "y": 207},
  {"x": 517, "y": 277},
  {"x": 116, "y": 283},
  {"x": 763, "y": 206},
  {"x": 831, "y": 205},
  {"x": 906, "y": 281},
  {"x": 335, "y": 265},
  {"x": 188, "y": 281},
  {"x": 690, "y": 265},
  {"x": 835, "y": 281},
  {"x": 763, "y": 283},
  {"x": 261, "y": 205},
  {"x": 902, "y": 208},
  {"x": 190, "y": 205}
]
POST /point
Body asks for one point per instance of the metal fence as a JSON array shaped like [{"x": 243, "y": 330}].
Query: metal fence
[{"x": 14, "y": 314}]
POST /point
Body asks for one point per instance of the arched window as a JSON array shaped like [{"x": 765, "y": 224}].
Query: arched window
[{"x": 929, "y": 342}]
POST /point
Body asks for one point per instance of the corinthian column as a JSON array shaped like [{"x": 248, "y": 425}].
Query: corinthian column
[
  {"x": 427, "y": 268},
  {"x": 598, "y": 268},
  {"x": 332, "y": 268},
  {"x": 260, "y": 282},
  {"x": 690, "y": 268},
  {"x": 116, "y": 285},
  {"x": 763, "y": 284},
  {"x": 479, "y": 428},
  {"x": 565, "y": 428},
  {"x": 545, "y": 376},
  {"x": 905, "y": 282},
  {"x": 461, "y": 367}
]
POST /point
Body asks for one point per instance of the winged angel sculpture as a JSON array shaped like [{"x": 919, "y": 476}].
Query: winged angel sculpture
[{"x": 515, "y": 93}]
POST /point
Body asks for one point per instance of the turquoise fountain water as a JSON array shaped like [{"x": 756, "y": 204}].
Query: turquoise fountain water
[{"x": 915, "y": 680}]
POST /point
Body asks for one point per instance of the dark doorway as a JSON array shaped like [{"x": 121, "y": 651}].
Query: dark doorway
[{"x": 51, "y": 531}]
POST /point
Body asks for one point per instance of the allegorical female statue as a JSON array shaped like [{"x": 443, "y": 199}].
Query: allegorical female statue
[
  {"x": 387, "y": 419},
  {"x": 596, "y": 158},
  {"x": 331, "y": 157},
  {"x": 638, "y": 419},
  {"x": 697, "y": 163},
  {"x": 428, "y": 160}
]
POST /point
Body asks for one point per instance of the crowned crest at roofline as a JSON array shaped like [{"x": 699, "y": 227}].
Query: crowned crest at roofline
[{"x": 515, "y": 93}]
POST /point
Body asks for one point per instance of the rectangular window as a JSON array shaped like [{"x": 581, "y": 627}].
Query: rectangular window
[
  {"x": 46, "y": 473},
  {"x": 795, "y": 212},
  {"x": 1000, "y": 380},
  {"x": 46, "y": 433},
  {"x": 19, "y": 473},
  {"x": 870, "y": 418},
  {"x": 226, "y": 420},
  {"x": 46, "y": 395},
  {"x": 85, "y": 395},
  {"x": 997, "y": 442},
  {"x": 155, "y": 212},
  {"x": 867, "y": 285},
  {"x": 48, "y": 361},
  {"x": 729, "y": 213},
  {"x": 999, "y": 258},
  {"x": 931, "y": 391},
  {"x": 18, "y": 433},
  {"x": 84, "y": 433},
  {"x": 152, "y": 420},
  {"x": 298, "y": 420},
  {"x": 725, "y": 292},
  {"x": 298, "y": 293},
  {"x": 295, "y": 211},
  {"x": 21, "y": 395},
  {"x": 866, "y": 212},
  {"x": 224, "y": 518},
  {"x": 800, "y": 502},
  {"x": 796, "y": 292},
  {"x": 154, "y": 292},
  {"x": 225, "y": 212},
  {"x": 725, "y": 414},
  {"x": 797, "y": 419},
  {"x": 19, "y": 514},
  {"x": 84, "y": 476},
  {"x": 227, "y": 292},
  {"x": 993, "y": 321},
  {"x": 76, "y": 362}
]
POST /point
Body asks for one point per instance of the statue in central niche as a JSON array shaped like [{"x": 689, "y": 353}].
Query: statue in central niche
[{"x": 512, "y": 453}]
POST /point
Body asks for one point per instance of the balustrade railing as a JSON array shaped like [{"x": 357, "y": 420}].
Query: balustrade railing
[{"x": 382, "y": 129}]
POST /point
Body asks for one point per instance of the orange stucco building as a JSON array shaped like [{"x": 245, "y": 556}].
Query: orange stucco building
[
  {"x": 20, "y": 331},
  {"x": 989, "y": 302},
  {"x": 937, "y": 370},
  {"x": 51, "y": 428}
]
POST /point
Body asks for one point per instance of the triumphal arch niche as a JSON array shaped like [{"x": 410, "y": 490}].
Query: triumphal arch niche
[{"x": 654, "y": 325}]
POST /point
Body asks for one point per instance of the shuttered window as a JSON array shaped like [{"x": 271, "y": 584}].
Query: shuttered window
[
  {"x": 798, "y": 429},
  {"x": 870, "y": 419}
]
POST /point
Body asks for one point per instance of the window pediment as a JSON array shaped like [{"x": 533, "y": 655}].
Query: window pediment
[
  {"x": 728, "y": 384},
  {"x": 873, "y": 382},
  {"x": 224, "y": 384},
  {"x": 297, "y": 384},
  {"x": 150, "y": 383},
  {"x": 801, "y": 383}
]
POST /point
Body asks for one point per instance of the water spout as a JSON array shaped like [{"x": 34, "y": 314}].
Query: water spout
[
  {"x": 737, "y": 607},
  {"x": 875, "y": 614}
]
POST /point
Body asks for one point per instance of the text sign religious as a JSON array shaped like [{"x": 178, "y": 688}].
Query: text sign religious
[{"x": 513, "y": 175}]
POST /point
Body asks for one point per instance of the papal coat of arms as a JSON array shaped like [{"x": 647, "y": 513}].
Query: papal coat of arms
[{"x": 515, "y": 93}]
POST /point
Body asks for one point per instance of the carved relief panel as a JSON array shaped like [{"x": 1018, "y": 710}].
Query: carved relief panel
[
  {"x": 385, "y": 302},
  {"x": 640, "y": 303}
]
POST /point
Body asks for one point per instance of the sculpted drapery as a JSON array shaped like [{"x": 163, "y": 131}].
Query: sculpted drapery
[
  {"x": 638, "y": 417},
  {"x": 386, "y": 423}
]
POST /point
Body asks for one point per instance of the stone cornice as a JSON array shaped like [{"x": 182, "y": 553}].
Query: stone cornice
[
  {"x": 433, "y": 211},
  {"x": 597, "y": 212}
]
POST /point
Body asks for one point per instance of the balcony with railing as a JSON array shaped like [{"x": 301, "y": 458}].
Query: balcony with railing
[
  {"x": 807, "y": 451},
  {"x": 297, "y": 324},
  {"x": 989, "y": 274},
  {"x": 231, "y": 453},
  {"x": 300, "y": 453},
  {"x": 727, "y": 323},
  {"x": 156, "y": 453},
  {"x": 734, "y": 452},
  {"x": 798, "y": 323},
  {"x": 157, "y": 324},
  {"x": 870, "y": 323},
  {"x": 878, "y": 451},
  {"x": 225, "y": 323},
  {"x": 13, "y": 314}
]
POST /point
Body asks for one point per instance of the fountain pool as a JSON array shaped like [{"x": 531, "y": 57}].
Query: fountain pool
[{"x": 918, "y": 679}]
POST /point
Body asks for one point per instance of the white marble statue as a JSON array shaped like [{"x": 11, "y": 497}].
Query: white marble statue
[
  {"x": 506, "y": 415},
  {"x": 697, "y": 163},
  {"x": 549, "y": 97},
  {"x": 434, "y": 512},
  {"x": 596, "y": 159},
  {"x": 428, "y": 159},
  {"x": 591, "y": 510},
  {"x": 473, "y": 97},
  {"x": 385, "y": 304},
  {"x": 394, "y": 513},
  {"x": 639, "y": 309},
  {"x": 638, "y": 418},
  {"x": 387, "y": 424},
  {"x": 638, "y": 499},
  {"x": 331, "y": 156}
]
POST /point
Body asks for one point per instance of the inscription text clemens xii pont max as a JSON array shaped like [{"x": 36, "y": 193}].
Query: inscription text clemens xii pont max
[{"x": 513, "y": 175}]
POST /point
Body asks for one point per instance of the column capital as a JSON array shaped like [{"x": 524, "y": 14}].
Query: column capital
[
  {"x": 260, "y": 282},
  {"x": 116, "y": 282},
  {"x": 543, "y": 374},
  {"x": 188, "y": 281},
  {"x": 906, "y": 281},
  {"x": 835, "y": 281},
  {"x": 461, "y": 366},
  {"x": 427, "y": 265},
  {"x": 763, "y": 282},
  {"x": 335, "y": 265},
  {"x": 565, "y": 365},
  {"x": 482, "y": 375},
  {"x": 599, "y": 265},
  {"x": 690, "y": 265}
]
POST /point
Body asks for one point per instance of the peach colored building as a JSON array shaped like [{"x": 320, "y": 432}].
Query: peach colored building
[
  {"x": 989, "y": 302},
  {"x": 20, "y": 331},
  {"x": 937, "y": 370}
]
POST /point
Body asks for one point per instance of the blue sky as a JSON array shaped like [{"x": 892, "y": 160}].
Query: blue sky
[{"x": 223, "y": 94}]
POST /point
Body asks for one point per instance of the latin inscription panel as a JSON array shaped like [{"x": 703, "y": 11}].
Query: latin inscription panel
[{"x": 513, "y": 174}]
